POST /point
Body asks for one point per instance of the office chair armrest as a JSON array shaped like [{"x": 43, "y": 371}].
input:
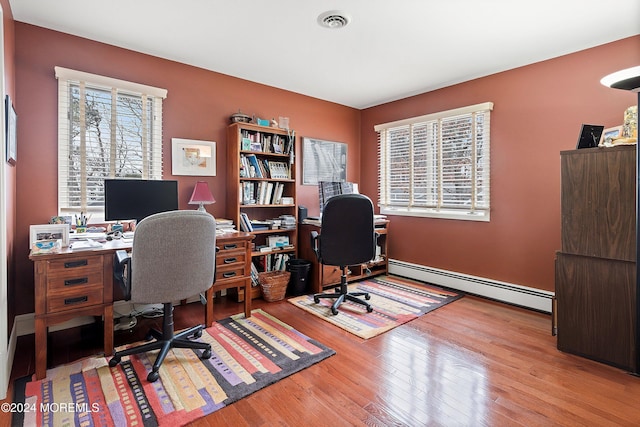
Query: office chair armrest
[
  {"x": 122, "y": 272},
  {"x": 314, "y": 243}
]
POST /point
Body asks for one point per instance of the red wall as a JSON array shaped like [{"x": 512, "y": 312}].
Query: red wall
[
  {"x": 198, "y": 106},
  {"x": 537, "y": 113},
  {"x": 8, "y": 181},
  {"x": 538, "y": 110}
]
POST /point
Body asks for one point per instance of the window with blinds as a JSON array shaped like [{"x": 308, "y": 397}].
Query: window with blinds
[
  {"x": 436, "y": 165},
  {"x": 107, "y": 128}
]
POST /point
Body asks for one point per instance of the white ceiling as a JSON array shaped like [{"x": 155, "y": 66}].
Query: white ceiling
[{"x": 390, "y": 49}]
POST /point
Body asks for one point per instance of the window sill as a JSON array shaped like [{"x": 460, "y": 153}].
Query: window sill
[{"x": 482, "y": 216}]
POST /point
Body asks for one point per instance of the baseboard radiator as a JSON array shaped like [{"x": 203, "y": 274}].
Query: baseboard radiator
[{"x": 535, "y": 299}]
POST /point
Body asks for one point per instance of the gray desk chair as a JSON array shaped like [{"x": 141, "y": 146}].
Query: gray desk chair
[
  {"x": 173, "y": 258},
  {"x": 347, "y": 237}
]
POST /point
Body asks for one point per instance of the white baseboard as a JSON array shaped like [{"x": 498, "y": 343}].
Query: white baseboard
[{"x": 523, "y": 296}]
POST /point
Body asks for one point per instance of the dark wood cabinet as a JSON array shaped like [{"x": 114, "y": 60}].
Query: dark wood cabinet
[{"x": 596, "y": 267}]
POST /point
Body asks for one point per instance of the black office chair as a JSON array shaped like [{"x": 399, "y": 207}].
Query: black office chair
[
  {"x": 347, "y": 238},
  {"x": 173, "y": 258}
]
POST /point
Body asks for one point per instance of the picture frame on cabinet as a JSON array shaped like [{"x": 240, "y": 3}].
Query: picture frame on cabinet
[
  {"x": 609, "y": 134},
  {"x": 49, "y": 232},
  {"x": 193, "y": 157},
  {"x": 11, "y": 120},
  {"x": 323, "y": 161}
]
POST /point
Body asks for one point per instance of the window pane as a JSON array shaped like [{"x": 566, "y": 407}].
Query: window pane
[{"x": 437, "y": 165}]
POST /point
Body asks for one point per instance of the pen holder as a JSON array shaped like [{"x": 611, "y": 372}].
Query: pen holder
[
  {"x": 81, "y": 229},
  {"x": 117, "y": 227}
]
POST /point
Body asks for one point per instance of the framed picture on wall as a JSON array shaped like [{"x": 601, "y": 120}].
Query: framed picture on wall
[
  {"x": 11, "y": 120},
  {"x": 193, "y": 157},
  {"x": 323, "y": 161}
]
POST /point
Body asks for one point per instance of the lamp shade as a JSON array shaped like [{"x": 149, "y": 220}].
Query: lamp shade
[
  {"x": 201, "y": 195},
  {"x": 628, "y": 79}
]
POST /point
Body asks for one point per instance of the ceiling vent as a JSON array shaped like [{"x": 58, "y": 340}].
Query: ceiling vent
[{"x": 333, "y": 19}]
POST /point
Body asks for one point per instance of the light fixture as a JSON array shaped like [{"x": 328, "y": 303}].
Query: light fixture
[
  {"x": 333, "y": 19},
  {"x": 201, "y": 195},
  {"x": 627, "y": 79}
]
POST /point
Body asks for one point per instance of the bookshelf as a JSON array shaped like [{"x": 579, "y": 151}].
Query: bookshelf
[{"x": 261, "y": 195}]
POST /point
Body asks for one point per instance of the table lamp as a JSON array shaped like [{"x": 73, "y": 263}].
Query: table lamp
[{"x": 201, "y": 195}]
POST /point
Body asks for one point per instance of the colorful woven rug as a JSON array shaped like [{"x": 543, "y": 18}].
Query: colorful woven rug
[
  {"x": 394, "y": 300},
  {"x": 248, "y": 354}
]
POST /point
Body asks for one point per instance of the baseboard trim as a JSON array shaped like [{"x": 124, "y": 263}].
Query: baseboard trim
[{"x": 535, "y": 299}]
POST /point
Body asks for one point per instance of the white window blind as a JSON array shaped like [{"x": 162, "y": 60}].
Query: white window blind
[
  {"x": 107, "y": 128},
  {"x": 437, "y": 165}
]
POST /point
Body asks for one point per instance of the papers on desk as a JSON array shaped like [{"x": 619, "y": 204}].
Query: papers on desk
[
  {"x": 84, "y": 245},
  {"x": 86, "y": 236}
]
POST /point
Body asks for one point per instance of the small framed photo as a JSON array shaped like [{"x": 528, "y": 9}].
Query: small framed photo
[
  {"x": 193, "y": 157},
  {"x": 609, "y": 134},
  {"x": 49, "y": 232}
]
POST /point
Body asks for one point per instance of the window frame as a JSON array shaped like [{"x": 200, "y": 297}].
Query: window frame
[
  {"x": 67, "y": 79},
  {"x": 480, "y": 174}
]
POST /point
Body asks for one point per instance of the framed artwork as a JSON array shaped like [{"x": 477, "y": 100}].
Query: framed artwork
[
  {"x": 193, "y": 157},
  {"x": 323, "y": 161},
  {"x": 11, "y": 120},
  {"x": 609, "y": 134},
  {"x": 49, "y": 232}
]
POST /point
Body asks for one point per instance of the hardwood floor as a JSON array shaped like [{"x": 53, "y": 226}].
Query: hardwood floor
[{"x": 471, "y": 363}]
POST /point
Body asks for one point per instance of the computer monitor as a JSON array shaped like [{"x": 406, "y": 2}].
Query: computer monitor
[
  {"x": 328, "y": 189},
  {"x": 126, "y": 199}
]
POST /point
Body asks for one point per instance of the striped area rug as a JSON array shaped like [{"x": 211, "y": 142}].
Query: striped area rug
[
  {"x": 248, "y": 354},
  {"x": 394, "y": 300}
]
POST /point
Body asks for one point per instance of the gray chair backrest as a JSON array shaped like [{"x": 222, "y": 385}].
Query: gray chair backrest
[
  {"x": 347, "y": 236},
  {"x": 173, "y": 256}
]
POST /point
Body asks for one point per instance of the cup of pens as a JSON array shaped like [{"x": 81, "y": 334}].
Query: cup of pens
[{"x": 81, "y": 223}]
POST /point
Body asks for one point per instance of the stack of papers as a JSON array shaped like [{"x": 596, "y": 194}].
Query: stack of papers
[{"x": 81, "y": 245}]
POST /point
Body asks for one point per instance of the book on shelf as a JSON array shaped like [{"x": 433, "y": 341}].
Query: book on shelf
[{"x": 245, "y": 223}]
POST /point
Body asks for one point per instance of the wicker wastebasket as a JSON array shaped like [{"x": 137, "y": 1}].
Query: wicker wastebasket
[{"x": 274, "y": 284}]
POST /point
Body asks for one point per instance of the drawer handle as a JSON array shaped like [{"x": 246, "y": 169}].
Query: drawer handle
[
  {"x": 231, "y": 246},
  {"x": 79, "y": 281},
  {"x": 230, "y": 260},
  {"x": 78, "y": 263},
  {"x": 77, "y": 300},
  {"x": 228, "y": 274}
]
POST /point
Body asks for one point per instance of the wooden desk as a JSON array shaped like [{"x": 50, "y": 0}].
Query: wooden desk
[
  {"x": 71, "y": 284},
  {"x": 322, "y": 276}
]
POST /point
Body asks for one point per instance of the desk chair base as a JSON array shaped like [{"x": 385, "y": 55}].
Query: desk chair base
[
  {"x": 165, "y": 340},
  {"x": 341, "y": 294}
]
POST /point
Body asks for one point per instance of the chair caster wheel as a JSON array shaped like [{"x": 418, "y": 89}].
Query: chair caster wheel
[
  {"x": 367, "y": 297},
  {"x": 197, "y": 334},
  {"x": 148, "y": 337},
  {"x": 334, "y": 311},
  {"x": 316, "y": 300},
  {"x": 369, "y": 309},
  {"x": 114, "y": 361},
  {"x": 206, "y": 355},
  {"x": 153, "y": 376}
]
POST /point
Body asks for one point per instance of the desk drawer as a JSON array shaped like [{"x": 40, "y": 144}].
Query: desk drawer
[
  {"x": 229, "y": 273},
  {"x": 228, "y": 258},
  {"x": 74, "y": 266},
  {"x": 232, "y": 246},
  {"x": 79, "y": 298},
  {"x": 74, "y": 280}
]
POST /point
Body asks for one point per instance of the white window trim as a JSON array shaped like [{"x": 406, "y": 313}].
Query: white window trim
[
  {"x": 67, "y": 76},
  {"x": 442, "y": 213}
]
